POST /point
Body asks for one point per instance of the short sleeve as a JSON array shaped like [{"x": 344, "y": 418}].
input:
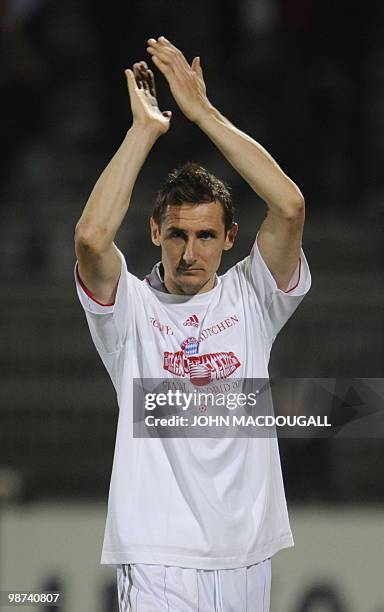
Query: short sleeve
[
  {"x": 276, "y": 306},
  {"x": 108, "y": 324}
]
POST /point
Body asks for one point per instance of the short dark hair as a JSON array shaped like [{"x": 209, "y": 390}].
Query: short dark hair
[{"x": 193, "y": 184}]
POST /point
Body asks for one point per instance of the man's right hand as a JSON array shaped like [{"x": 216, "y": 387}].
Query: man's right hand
[
  {"x": 144, "y": 105},
  {"x": 98, "y": 258}
]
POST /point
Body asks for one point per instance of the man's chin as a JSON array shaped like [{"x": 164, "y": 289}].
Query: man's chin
[{"x": 191, "y": 286}]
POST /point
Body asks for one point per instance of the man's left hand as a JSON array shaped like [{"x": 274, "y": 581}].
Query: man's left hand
[{"x": 185, "y": 81}]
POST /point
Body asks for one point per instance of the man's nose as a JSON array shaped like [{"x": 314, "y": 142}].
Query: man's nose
[{"x": 189, "y": 255}]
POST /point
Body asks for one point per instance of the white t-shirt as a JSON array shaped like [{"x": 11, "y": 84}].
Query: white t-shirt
[{"x": 193, "y": 502}]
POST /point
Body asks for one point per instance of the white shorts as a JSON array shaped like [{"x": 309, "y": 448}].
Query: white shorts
[{"x": 162, "y": 588}]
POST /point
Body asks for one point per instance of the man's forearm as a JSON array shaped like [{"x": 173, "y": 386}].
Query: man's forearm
[
  {"x": 253, "y": 163},
  {"x": 110, "y": 197}
]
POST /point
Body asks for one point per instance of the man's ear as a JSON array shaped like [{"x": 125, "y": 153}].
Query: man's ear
[
  {"x": 155, "y": 232},
  {"x": 230, "y": 237}
]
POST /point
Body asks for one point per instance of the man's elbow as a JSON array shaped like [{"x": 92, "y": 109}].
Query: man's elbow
[
  {"x": 294, "y": 211},
  {"x": 90, "y": 239}
]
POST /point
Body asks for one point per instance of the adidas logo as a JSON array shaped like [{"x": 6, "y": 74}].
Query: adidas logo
[{"x": 192, "y": 321}]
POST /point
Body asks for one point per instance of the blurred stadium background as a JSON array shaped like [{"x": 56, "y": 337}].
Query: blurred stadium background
[{"x": 306, "y": 79}]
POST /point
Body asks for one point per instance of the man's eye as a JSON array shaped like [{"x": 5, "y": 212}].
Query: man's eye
[{"x": 206, "y": 236}]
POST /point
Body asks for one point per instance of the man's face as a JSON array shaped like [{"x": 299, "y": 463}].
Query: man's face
[{"x": 192, "y": 238}]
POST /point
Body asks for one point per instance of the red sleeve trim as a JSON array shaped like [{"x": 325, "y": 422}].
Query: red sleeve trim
[
  {"x": 88, "y": 292},
  {"x": 298, "y": 280}
]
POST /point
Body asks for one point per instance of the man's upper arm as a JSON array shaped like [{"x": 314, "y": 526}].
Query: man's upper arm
[
  {"x": 265, "y": 271},
  {"x": 109, "y": 323},
  {"x": 279, "y": 241},
  {"x": 99, "y": 271}
]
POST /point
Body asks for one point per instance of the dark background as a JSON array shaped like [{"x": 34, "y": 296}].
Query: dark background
[{"x": 305, "y": 79}]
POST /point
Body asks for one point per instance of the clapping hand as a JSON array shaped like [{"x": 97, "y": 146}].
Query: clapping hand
[
  {"x": 144, "y": 105},
  {"x": 185, "y": 81}
]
